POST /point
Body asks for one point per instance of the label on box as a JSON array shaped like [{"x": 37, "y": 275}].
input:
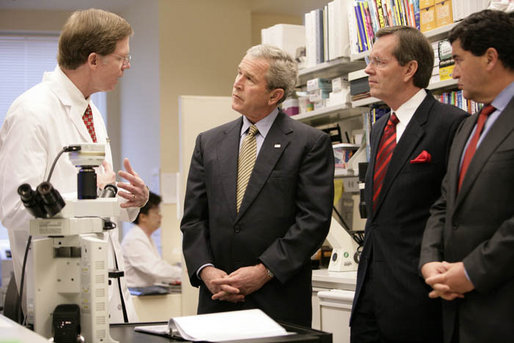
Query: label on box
[
  {"x": 425, "y": 3},
  {"x": 315, "y": 84},
  {"x": 443, "y": 13},
  {"x": 427, "y": 19},
  {"x": 446, "y": 73}
]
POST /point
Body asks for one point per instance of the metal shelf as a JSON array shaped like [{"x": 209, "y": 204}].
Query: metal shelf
[
  {"x": 451, "y": 83},
  {"x": 439, "y": 32},
  {"x": 359, "y": 56},
  {"x": 365, "y": 102},
  {"x": 330, "y": 69},
  {"x": 343, "y": 172},
  {"x": 328, "y": 115}
]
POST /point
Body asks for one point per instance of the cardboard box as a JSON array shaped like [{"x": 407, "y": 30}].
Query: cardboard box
[
  {"x": 285, "y": 36},
  {"x": 445, "y": 73},
  {"x": 319, "y": 83},
  {"x": 426, "y": 3},
  {"x": 443, "y": 13},
  {"x": 427, "y": 19}
]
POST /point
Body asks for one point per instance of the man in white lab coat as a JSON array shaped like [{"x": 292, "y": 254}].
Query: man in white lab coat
[
  {"x": 93, "y": 54},
  {"x": 144, "y": 266}
]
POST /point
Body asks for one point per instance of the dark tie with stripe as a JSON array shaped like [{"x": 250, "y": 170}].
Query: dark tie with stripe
[
  {"x": 247, "y": 157},
  {"x": 385, "y": 151},
  {"x": 472, "y": 147}
]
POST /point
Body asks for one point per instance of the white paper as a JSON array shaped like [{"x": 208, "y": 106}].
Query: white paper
[
  {"x": 162, "y": 330},
  {"x": 225, "y": 326}
]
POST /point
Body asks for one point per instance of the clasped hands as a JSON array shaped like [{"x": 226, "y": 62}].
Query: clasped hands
[
  {"x": 448, "y": 280},
  {"x": 235, "y": 286},
  {"x": 135, "y": 191}
]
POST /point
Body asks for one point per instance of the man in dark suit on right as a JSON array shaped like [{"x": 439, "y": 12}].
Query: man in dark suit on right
[
  {"x": 390, "y": 303},
  {"x": 467, "y": 252}
]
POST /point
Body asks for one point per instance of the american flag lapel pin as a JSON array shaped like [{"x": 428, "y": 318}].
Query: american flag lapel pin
[{"x": 277, "y": 146}]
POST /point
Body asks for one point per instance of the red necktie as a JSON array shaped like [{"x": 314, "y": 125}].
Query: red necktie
[
  {"x": 88, "y": 120},
  {"x": 385, "y": 151},
  {"x": 472, "y": 147}
]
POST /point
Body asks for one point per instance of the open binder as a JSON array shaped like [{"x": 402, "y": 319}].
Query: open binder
[{"x": 219, "y": 327}]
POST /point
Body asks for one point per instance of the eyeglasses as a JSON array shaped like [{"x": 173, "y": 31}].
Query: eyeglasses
[
  {"x": 126, "y": 59},
  {"x": 376, "y": 61}
]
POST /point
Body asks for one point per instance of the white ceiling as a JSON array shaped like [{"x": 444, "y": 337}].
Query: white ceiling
[{"x": 284, "y": 7}]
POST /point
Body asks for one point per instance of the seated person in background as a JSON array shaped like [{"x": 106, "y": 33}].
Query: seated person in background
[{"x": 144, "y": 265}]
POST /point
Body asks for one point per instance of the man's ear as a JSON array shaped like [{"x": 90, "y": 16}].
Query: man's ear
[
  {"x": 412, "y": 67},
  {"x": 93, "y": 59},
  {"x": 491, "y": 55},
  {"x": 275, "y": 96}
]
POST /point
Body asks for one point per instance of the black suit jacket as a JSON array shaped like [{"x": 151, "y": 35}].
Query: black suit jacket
[
  {"x": 395, "y": 229},
  {"x": 476, "y": 226},
  {"x": 284, "y": 217}
]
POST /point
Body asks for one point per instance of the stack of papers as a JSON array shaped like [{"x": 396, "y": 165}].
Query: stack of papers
[{"x": 218, "y": 327}]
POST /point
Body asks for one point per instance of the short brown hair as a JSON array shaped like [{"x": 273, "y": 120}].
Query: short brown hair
[
  {"x": 88, "y": 31},
  {"x": 412, "y": 46}
]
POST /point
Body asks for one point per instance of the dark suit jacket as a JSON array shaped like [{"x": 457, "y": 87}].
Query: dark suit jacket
[
  {"x": 476, "y": 226},
  {"x": 284, "y": 217},
  {"x": 394, "y": 231}
]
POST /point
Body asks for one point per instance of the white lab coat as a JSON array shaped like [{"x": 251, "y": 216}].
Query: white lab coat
[
  {"x": 39, "y": 123},
  {"x": 143, "y": 263}
]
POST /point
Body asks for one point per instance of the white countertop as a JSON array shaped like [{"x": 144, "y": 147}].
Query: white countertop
[
  {"x": 322, "y": 278},
  {"x": 13, "y": 332}
]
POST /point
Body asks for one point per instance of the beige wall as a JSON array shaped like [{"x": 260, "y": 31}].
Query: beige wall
[
  {"x": 263, "y": 20},
  {"x": 201, "y": 44},
  {"x": 16, "y": 20}
]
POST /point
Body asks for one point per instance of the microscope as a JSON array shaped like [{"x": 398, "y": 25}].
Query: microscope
[{"x": 68, "y": 282}]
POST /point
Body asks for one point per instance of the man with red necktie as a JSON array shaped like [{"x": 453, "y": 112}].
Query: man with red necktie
[
  {"x": 409, "y": 150},
  {"x": 468, "y": 246},
  {"x": 93, "y": 53}
]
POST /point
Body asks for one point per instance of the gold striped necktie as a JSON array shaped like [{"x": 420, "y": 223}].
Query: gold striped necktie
[{"x": 247, "y": 157}]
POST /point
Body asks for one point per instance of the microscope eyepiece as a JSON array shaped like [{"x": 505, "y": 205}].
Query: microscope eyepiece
[
  {"x": 51, "y": 198},
  {"x": 31, "y": 200}
]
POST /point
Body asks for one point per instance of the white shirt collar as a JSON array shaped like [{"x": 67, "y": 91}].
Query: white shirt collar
[
  {"x": 263, "y": 125},
  {"x": 407, "y": 109}
]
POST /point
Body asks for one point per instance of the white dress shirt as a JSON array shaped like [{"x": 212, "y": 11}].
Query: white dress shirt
[{"x": 406, "y": 111}]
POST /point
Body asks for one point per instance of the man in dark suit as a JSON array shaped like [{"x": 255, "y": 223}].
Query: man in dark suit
[
  {"x": 390, "y": 303},
  {"x": 467, "y": 253},
  {"x": 253, "y": 250}
]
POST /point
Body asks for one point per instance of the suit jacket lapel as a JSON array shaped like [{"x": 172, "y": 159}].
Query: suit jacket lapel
[
  {"x": 378, "y": 131},
  {"x": 227, "y": 155},
  {"x": 272, "y": 148},
  {"x": 453, "y": 169},
  {"x": 502, "y": 127},
  {"x": 408, "y": 142}
]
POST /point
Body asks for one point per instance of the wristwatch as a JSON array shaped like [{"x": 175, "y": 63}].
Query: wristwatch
[{"x": 270, "y": 274}]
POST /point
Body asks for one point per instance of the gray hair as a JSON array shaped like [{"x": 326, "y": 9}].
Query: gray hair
[{"x": 282, "y": 71}]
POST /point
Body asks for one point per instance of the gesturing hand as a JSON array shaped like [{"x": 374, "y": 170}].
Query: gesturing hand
[
  {"x": 108, "y": 176},
  {"x": 136, "y": 191}
]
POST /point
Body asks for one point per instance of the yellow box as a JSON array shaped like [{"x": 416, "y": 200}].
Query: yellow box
[
  {"x": 446, "y": 73},
  {"x": 427, "y": 19},
  {"x": 443, "y": 13},
  {"x": 426, "y": 3}
]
